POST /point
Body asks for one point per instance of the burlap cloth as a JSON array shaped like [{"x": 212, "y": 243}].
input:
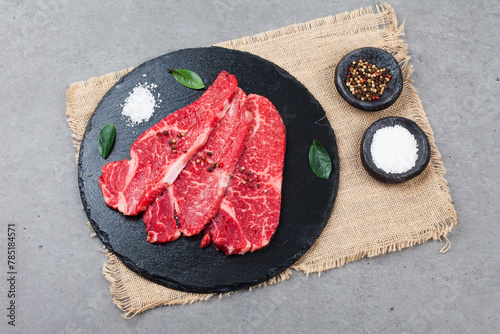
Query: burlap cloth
[{"x": 369, "y": 217}]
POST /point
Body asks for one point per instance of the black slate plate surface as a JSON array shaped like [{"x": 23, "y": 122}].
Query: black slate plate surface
[
  {"x": 424, "y": 150},
  {"x": 380, "y": 58},
  {"x": 307, "y": 201}
]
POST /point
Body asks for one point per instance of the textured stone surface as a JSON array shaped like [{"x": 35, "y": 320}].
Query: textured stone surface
[
  {"x": 48, "y": 44},
  {"x": 182, "y": 264}
]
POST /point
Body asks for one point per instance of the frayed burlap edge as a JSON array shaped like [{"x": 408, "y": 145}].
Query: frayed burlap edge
[
  {"x": 389, "y": 21},
  {"x": 381, "y": 9},
  {"x": 399, "y": 49},
  {"x": 113, "y": 270}
]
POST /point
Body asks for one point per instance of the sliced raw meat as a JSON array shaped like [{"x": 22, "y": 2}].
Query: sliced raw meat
[
  {"x": 159, "y": 219},
  {"x": 250, "y": 210},
  {"x": 198, "y": 191},
  {"x": 158, "y": 155},
  {"x": 200, "y": 186}
]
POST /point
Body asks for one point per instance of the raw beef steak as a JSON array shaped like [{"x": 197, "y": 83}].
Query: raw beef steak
[
  {"x": 250, "y": 210},
  {"x": 158, "y": 155},
  {"x": 200, "y": 186}
]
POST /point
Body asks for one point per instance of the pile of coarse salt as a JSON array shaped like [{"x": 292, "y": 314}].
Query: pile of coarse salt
[
  {"x": 394, "y": 149},
  {"x": 140, "y": 104}
]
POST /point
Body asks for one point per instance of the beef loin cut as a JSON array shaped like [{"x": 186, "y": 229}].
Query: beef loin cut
[
  {"x": 250, "y": 209},
  {"x": 158, "y": 155},
  {"x": 199, "y": 188}
]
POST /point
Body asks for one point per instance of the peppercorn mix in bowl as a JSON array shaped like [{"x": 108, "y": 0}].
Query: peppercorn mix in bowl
[{"x": 369, "y": 79}]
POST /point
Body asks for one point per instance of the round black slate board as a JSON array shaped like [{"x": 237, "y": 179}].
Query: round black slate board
[
  {"x": 424, "y": 150},
  {"x": 307, "y": 201},
  {"x": 380, "y": 58}
]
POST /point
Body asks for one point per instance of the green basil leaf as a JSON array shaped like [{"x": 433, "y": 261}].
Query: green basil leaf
[
  {"x": 187, "y": 78},
  {"x": 106, "y": 140},
  {"x": 319, "y": 160}
]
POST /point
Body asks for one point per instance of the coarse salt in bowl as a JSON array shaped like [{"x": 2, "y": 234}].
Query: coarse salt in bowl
[{"x": 394, "y": 150}]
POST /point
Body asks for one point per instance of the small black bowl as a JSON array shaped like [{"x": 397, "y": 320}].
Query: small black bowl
[
  {"x": 424, "y": 150},
  {"x": 380, "y": 58}
]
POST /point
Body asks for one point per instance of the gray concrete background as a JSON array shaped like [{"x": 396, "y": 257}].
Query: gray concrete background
[{"x": 45, "y": 45}]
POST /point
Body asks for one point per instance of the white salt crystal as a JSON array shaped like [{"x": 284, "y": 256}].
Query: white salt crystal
[
  {"x": 394, "y": 149},
  {"x": 139, "y": 105}
]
